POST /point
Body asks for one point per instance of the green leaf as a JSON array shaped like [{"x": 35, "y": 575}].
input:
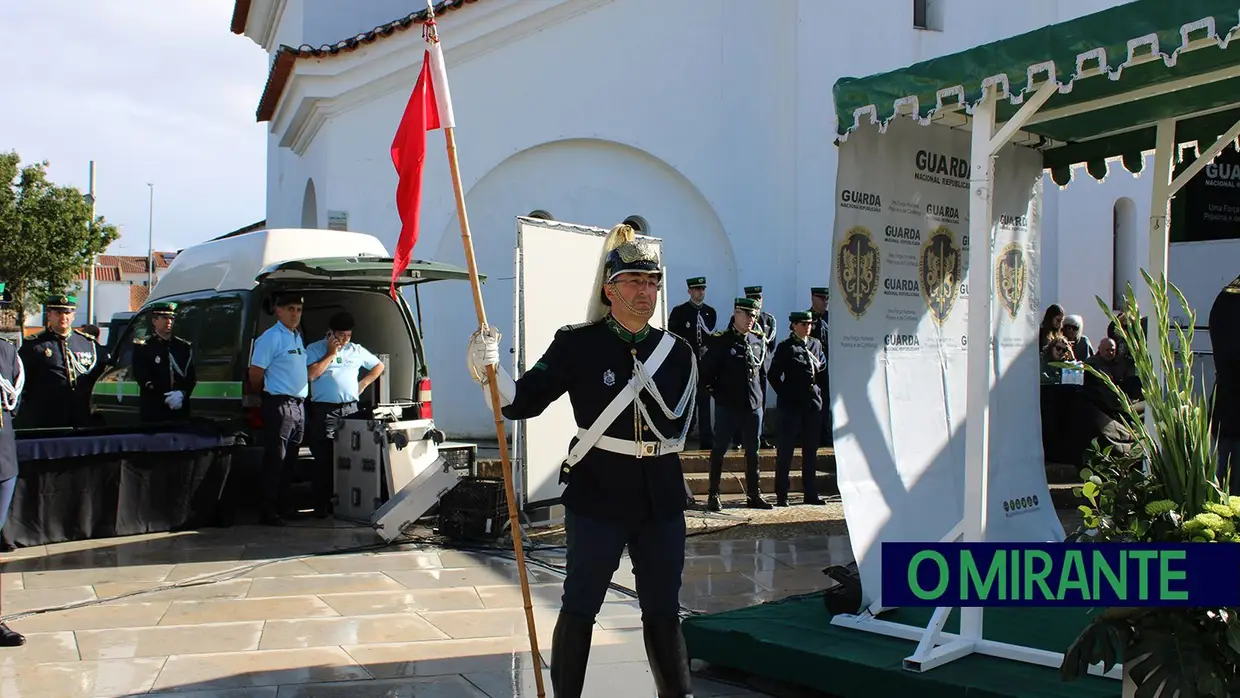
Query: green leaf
[
  {"x": 1085, "y": 511},
  {"x": 1233, "y": 636},
  {"x": 1090, "y": 490}
]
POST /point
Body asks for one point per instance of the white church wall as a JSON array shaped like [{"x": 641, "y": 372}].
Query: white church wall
[{"x": 715, "y": 124}]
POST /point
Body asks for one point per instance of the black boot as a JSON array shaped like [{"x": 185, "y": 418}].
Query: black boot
[
  {"x": 570, "y": 652},
  {"x": 10, "y": 638},
  {"x": 669, "y": 660}
]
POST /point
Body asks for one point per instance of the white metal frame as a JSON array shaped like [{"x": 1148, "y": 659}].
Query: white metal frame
[{"x": 936, "y": 647}]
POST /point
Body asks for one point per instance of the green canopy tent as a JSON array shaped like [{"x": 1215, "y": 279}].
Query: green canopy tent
[{"x": 1149, "y": 75}]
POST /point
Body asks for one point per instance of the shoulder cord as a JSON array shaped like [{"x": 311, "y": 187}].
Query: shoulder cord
[
  {"x": 10, "y": 392},
  {"x": 644, "y": 381},
  {"x": 80, "y": 367},
  {"x": 176, "y": 367}
]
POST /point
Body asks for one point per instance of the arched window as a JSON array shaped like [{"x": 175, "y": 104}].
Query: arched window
[
  {"x": 310, "y": 207},
  {"x": 639, "y": 224},
  {"x": 541, "y": 214}
]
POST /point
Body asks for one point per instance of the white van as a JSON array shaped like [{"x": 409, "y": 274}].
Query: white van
[{"x": 224, "y": 290}]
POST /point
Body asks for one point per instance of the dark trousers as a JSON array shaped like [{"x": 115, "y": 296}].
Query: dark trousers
[
  {"x": 706, "y": 435},
  {"x": 826, "y": 433},
  {"x": 656, "y": 547},
  {"x": 322, "y": 422},
  {"x": 738, "y": 437},
  {"x": 728, "y": 421},
  {"x": 284, "y": 424},
  {"x": 803, "y": 426},
  {"x": 7, "y": 487}
]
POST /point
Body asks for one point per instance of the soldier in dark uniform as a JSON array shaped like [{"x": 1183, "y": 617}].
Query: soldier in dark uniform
[
  {"x": 12, "y": 380},
  {"x": 820, "y": 297},
  {"x": 163, "y": 366},
  {"x": 766, "y": 321},
  {"x": 62, "y": 365},
  {"x": 694, "y": 321},
  {"x": 798, "y": 375},
  {"x": 624, "y": 483},
  {"x": 734, "y": 367}
]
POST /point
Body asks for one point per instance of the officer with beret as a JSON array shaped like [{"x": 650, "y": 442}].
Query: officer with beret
[
  {"x": 735, "y": 367},
  {"x": 12, "y": 382},
  {"x": 694, "y": 321},
  {"x": 632, "y": 388},
  {"x": 61, "y": 365},
  {"x": 163, "y": 366},
  {"x": 278, "y": 371},
  {"x": 798, "y": 375},
  {"x": 820, "y": 297},
  {"x": 766, "y": 321}
]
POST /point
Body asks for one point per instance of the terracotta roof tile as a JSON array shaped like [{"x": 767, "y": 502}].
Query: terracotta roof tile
[
  {"x": 286, "y": 56},
  {"x": 241, "y": 12},
  {"x": 102, "y": 273},
  {"x": 137, "y": 296}
]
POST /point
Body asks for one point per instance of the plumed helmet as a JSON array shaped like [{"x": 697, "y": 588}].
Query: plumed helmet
[{"x": 623, "y": 253}]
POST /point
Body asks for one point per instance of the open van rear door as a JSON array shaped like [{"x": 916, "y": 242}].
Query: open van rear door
[{"x": 362, "y": 270}]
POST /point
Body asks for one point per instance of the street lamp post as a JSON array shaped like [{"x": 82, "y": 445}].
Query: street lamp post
[
  {"x": 94, "y": 259},
  {"x": 150, "y": 244}
]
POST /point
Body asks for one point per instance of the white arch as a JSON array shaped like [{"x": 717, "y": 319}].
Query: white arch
[{"x": 587, "y": 181}]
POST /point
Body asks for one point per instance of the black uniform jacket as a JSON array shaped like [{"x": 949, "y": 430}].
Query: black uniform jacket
[
  {"x": 155, "y": 364},
  {"x": 767, "y": 322},
  {"x": 8, "y": 442},
  {"x": 683, "y": 322},
  {"x": 728, "y": 368},
  {"x": 60, "y": 374},
  {"x": 593, "y": 362},
  {"x": 818, "y": 329},
  {"x": 798, "y": 373}
]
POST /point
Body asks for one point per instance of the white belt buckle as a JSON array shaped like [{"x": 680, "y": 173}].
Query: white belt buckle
[{"x": 648, "y": 449}]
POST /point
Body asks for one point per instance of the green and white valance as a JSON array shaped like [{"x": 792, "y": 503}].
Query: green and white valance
[{"x": 1118, "y": 72}]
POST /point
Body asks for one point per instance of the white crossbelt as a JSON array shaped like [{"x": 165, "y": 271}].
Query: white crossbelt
[
  {"x": 645, "y": 449},
  {"x": 589, "y": 438}
]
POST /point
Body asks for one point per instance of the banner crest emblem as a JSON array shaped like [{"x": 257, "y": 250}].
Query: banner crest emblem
[
  {"x": 856, "y": 268},
  {"x": 1011, "y": 278},
  {"x": 939, "y": 273}
]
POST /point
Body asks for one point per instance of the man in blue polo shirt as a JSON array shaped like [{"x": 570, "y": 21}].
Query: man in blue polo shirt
[
  {"x": 334, "y": 364},
  {"x": 278, "y": 371}
]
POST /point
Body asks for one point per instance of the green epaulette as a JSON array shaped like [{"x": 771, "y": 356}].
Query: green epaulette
[
  {"x": 83, "y": 334},
  {"x": 570, "y": 328}
]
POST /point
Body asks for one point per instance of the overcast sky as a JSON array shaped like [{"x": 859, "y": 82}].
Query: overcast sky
[{"x": 153, "y": 91}]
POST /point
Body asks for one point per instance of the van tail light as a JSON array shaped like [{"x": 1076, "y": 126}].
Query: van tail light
[
  {"x": 425, "y": 411},
  {"x": 253, "y": 407}
]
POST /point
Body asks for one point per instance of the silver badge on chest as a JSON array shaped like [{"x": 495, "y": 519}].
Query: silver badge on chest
[{"x": 609, "y": 377}]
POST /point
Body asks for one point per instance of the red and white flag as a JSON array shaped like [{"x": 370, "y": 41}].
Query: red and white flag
[{"x": 429, "y": 108}]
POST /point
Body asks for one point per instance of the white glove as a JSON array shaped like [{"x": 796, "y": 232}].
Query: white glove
[
  {"x": 174, "y": 399},
  {"x": 483, "y": 352}
]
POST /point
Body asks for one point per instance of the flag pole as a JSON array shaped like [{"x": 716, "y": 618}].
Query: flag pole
[{"x": 492, "y": 384}]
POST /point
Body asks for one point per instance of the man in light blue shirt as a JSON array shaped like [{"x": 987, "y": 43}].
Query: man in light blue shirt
[
  {"x": 278, "y": 372},
  {"x": 333, "y": 365}
]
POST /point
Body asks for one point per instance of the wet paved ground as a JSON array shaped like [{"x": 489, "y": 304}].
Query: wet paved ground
[{"x": 252, "y": 612}]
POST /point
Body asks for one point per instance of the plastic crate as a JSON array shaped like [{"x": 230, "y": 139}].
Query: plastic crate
[{"x": 476, "y": 509}]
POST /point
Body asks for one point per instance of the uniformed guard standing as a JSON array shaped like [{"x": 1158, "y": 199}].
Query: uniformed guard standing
[
  {"x": 163, "y": 366},
  {"x": 694, "y": 321},
  {"x": 734, "y": 367},
  {"x": 333, "y": 365},
  {"x": 798, "y": 375},
  {"x": 820, "y": 296},
  {"x": 61, "y": 365},
  {"x": 12, "y": 381},
  {"x": 766, "y": 321},
  {"x": 632, "y": 388},
  {"x": 278, "y": 370}
]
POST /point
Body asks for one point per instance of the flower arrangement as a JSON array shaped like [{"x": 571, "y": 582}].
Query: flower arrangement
[{"x": 1166, "y": 651}]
